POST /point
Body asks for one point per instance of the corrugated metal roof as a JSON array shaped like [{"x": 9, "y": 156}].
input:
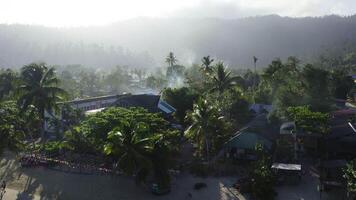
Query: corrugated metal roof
[{"x": 248, "y": 140}]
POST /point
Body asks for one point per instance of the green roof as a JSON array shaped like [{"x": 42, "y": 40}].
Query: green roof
[{"x": 248, "y": 140}]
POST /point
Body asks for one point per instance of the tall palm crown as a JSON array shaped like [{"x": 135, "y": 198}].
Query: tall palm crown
[
  {"x": 171, "y": 59},
  {"x": 202, "y": 117},
  {"x": 222, "y": 79},
  {"x": 206, "y": 64},
  {"x": 131, "y": 149},
  {"x": 39, "y": 88}
]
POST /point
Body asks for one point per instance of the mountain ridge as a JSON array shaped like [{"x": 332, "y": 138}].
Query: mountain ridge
[{"x": 144, "y": 42}]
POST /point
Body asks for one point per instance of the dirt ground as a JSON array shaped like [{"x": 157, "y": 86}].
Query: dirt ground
[{"x": 41, "y": 183}]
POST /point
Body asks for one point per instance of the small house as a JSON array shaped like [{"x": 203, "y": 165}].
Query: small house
[{"x": 243, "y": 144}]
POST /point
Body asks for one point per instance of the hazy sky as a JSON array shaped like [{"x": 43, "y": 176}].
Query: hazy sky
[{"x": 98, "y": 12}]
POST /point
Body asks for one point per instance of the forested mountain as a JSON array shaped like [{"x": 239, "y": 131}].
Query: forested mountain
[{"x": 144, "y": 42}]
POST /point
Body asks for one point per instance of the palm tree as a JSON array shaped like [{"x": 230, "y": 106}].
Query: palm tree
[
  {"x": 131, "y": 151},
  {"x": 39, "y": 88},
  {"x": 222, "y": 79},
  {"x": 171, "y": 59},
  {"x": 255, "y": 59},
  {"x": 202, "y": 117},
  {"x": 206, "y": 65},
  {"x": 161, "y": 160}
]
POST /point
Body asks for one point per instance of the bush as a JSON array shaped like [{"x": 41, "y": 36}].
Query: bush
[{"x": 53, "y": 148}]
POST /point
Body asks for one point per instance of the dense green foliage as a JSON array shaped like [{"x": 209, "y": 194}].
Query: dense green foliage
[
  {"x": 134, "y": 138},
  {"x": 262, "y": 185},
  {"x": 181, "y": 99},
  {"x": 212, "y": 102},
  {"x": 39, "y": 87},
  {"x": 8, "y": 81},
  {"x": 208, "y": 128},
  {"x": 16, "y": 126},
  {"x": 350, "y": 176},
  {"x": 222, "y": 79},
  {"x": 309, "y": 121}
]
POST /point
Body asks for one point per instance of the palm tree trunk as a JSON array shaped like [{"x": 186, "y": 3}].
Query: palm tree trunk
[
  {"x": 207, "y": 145},
  {"x": 42, "y": 130},
  {"x": 207, "y": 149},
  {"x": 43, "y": 124},
  {"x": 32, "y": 140}
]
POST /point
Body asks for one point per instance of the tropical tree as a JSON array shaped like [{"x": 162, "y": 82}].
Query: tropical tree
[
  {"x": 171, "y": 59},
  {"x": 89, "y": 84},
  {"x": 70, "y": 117},
  {"x": 196, "y": 80},
  {"x": 235, "y": 107},
  {"x": 157, "y": 80},
  {"x": 8, "y": 80},
  {"x": 202, "y": 119},
  {"x": 39, "y": 88},
  {"x": 206, "y": 65},
  {"x": 69, "y": 82},
  {"x": 349, "y": 61},
  {"x": 350, "y": 176},
  {"x": 262, "y": 186},
  {"x": 309, "y": 121},
  {"x": 131, "y": 150},
  {"x": 136, "y": 140},
  {"x": 15, "y": 126},
  {"x": 141, "y": 143},
  {"x": 222, "y": 79},
  {"x": 255, "y": 59},
  {"x": 342, "y": 83},
  {"x": 250, "y": 79},
  {"x": 117, "y": 80},
  {"x": 161, "y": 158},
  {"x": 274, "y": 76},
  {"x": 285, "y": 84},
  {"x": 317, "y": 88},
  {"x": 181, "y": 99}
]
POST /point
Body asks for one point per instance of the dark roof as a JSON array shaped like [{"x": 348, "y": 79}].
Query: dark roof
[
  {"x": 261, "y": 126},
  {"x": 147, "y": 101},
  {"x": 342, "y": 138},
  {"x": 92, "y": 99},
  {"x": 150, "y": 102},
  {"x": 340, "y": 131},
  {"x": 339, "y": 124},
  {"x": 333, "y": 163},
  {"x": 247, "y": 140}
]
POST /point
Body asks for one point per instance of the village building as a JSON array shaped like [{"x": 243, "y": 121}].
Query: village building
[
  {"x": 242, "y": 146},
  {"x": 153, "y": 103}
]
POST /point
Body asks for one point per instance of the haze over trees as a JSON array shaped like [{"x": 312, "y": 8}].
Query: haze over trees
[
  {"x": 142, "y": 42},
  {"x": 201, "y": 67}
]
